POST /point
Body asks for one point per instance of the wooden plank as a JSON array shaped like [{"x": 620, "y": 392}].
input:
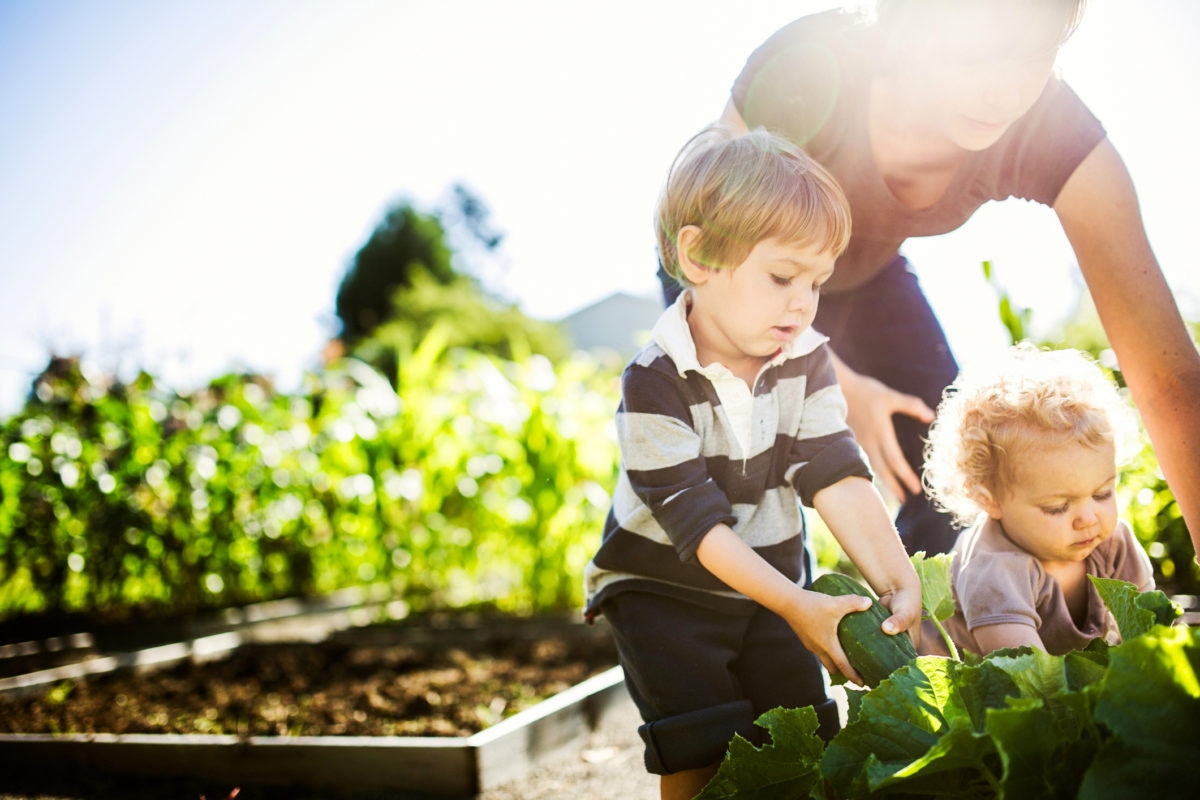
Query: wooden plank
[
  {"x": 444, "y": 767},
  {"x": 510, "y": 748}
]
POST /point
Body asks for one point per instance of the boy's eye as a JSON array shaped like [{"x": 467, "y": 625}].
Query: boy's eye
[
  {"x": 1107, "y": 493},
  {"x": 1055, "y": 509},
  {"x": 781, "y": 280}
]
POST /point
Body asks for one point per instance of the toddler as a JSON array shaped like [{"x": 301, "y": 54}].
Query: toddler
[{"x": 1027, "y": 456}]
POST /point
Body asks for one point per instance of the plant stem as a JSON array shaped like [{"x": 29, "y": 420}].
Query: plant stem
[{"x": 946, "y": 638}]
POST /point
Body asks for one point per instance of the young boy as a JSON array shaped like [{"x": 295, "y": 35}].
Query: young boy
[
  {"x": 727, "y": 417},
  {"x": 1028, "y": 456}
]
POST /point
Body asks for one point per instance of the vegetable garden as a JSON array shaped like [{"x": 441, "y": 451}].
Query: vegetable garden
[
  {"x": 484, "y": 483},
  {"x": 466, "y": 479}
]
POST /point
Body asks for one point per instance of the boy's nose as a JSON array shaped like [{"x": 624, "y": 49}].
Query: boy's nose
[{"x": 802, "y": 300}]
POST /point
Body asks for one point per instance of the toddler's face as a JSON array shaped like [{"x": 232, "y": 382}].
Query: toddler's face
[{"x": 1063, "y": 503}]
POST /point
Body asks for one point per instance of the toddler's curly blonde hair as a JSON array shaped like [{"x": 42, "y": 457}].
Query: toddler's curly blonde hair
[{"x": 987, "y": 423}]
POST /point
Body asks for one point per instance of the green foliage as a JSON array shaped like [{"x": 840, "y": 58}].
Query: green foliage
[
  {"x": 1104, "y": 722},
  {"x": 937, "y": 593},
  {"x": 463, "y": 316},
  {"x": 1150, "y": 704},
  {"x": 407, "y": 243},
  {"x": 1155, "y": 517},
  {"x": 484, "y": 482},
  {"x": 1015, "y": 319},
  {"x": 787, "y": 771},
  {"x": 1135, "y": 612},
  {"x": 408, "y": 278}
]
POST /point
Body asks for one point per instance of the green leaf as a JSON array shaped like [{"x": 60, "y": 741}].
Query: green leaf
[
  {"x": 1035, "y": 672},
  {"x": 937, "y": 594},
  {"x": 1088, "y": 666},
  {"x": 1045, "y": 745},
  {"x": 1136, "y": 613},
  {"x": 926, "y": 720},
  {"x": 1150, "y": 701},
  {"x": 853, "y": 702},
  {"x": 786, "y": 768}
]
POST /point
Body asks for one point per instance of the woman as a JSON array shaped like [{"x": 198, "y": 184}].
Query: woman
[{"x": 924, "y": 113}]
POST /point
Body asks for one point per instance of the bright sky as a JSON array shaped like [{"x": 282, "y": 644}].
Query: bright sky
[{"x": 183, "y": 184}]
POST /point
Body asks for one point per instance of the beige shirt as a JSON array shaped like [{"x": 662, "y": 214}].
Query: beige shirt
[{"x": 995, "y": 582}]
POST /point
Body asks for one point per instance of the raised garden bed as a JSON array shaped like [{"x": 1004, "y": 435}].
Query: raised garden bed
[{"x": 442, "y": 708}]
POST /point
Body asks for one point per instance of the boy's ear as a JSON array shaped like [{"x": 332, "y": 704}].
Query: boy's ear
[{"x": 687, "y": 240}]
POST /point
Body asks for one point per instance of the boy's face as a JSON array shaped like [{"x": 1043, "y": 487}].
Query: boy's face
[
  {"x": 747, "y": 313},
  {"x": 1063, "y": 503}
]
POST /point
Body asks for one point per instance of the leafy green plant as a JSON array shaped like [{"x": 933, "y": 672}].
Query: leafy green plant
[
  {"x": 483, "y": 481},
  {"x": 937, "y": 593},
  {"x": 1102, "y": 722}
]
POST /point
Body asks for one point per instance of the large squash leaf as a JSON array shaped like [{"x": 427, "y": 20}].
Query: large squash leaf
[
  {"x": 926, "y": 720},
  {"x": 1135, "y": 612},
  {"x": 1150, "y": 701},
  {"x": 785, "y": 769}
]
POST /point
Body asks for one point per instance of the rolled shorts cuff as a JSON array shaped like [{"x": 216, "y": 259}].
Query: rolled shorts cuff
[{"x": 695, "y": 739}]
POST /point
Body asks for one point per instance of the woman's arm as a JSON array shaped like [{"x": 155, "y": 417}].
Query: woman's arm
[
  {"x": 812, "y": 616},
  {"x": 1099, "y": 212}
]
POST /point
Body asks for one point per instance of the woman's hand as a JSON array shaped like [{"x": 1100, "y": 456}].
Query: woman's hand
[{"x": 871, "y": 405}]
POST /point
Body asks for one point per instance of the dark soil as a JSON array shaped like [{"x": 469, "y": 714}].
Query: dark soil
[{"x": 451, "y": 679}]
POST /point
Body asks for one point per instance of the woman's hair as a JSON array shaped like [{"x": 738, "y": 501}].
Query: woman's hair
[
  {"x": 987, "y": 424},
  {"x": 742, "y": 188},
  {"x": 908, "y": 16}
]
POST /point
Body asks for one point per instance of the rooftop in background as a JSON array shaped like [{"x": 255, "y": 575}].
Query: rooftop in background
[{"x": 620, "y": 322}]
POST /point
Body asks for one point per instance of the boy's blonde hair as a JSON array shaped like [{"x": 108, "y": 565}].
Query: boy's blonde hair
[
  {"x": 987, "y": 424},
  {"x": 742, "y": 188}
]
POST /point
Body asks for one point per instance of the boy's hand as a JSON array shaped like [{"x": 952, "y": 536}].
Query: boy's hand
[
  {"x": 814, "y": 618},
  {"x": 905, "y": 605}
]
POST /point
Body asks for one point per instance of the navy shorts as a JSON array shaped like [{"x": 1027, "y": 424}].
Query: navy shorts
[
  {"x": 887, "y": 329},
  {"x": 699, "y": 676}
]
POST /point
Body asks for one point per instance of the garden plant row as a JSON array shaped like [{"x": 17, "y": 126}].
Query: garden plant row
[{"x": 480, "y": 481}]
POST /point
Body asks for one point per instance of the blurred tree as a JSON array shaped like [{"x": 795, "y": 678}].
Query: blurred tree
[
  {"x": 463, "y": 316},
  {"x": 405, "y": 244},
  {"x": 420, "y": 269}
]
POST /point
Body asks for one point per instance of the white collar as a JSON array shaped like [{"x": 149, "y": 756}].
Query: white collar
[{"x": 673, "y": 335}]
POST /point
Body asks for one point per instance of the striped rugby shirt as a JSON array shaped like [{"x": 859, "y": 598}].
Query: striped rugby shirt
[{"x": 699, "y": 448}]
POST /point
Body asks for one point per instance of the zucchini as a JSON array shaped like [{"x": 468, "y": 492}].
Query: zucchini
[{"x": 873, "y": 653}]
